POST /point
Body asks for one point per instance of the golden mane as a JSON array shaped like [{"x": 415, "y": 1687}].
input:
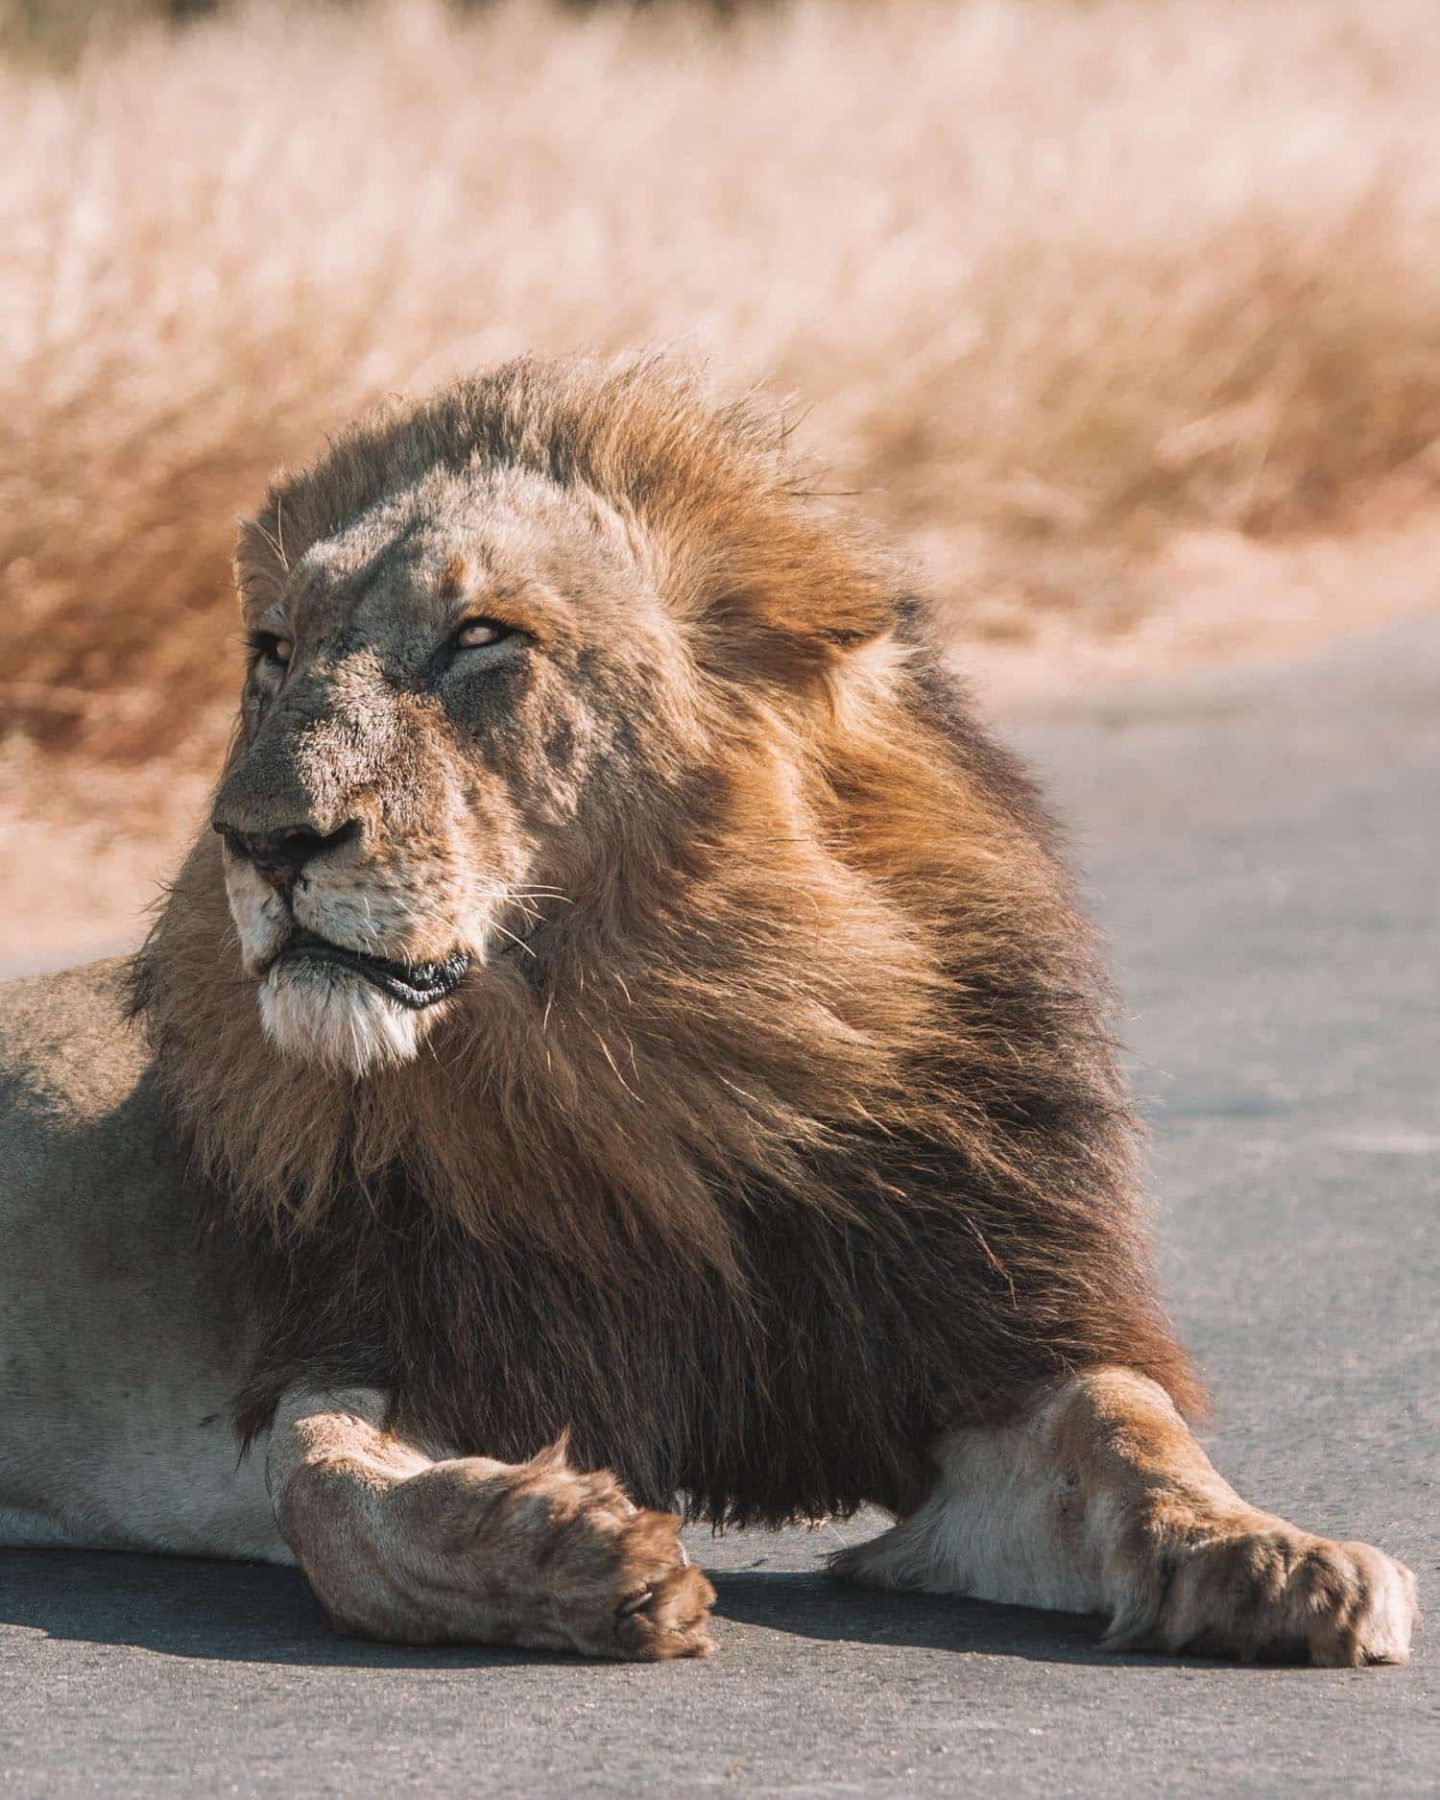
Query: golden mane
[{"x": 808, "y": 1102}]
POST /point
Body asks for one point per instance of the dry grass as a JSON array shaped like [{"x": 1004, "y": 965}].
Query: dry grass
[{"x": 1059, "y": 281}]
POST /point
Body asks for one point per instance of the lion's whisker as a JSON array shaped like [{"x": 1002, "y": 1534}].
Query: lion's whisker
[{"x": 497, "y": 926}]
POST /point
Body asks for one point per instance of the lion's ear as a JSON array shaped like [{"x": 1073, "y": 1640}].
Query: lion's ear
[
  {"x": 817, "y": 589},
  {"x": 260, "y": 564}
]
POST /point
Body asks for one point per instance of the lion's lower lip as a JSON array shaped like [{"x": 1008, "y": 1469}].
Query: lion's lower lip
[{"x": 416, "y": 985}]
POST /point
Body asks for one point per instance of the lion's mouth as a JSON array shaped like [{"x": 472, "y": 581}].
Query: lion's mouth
[{"x": 416, "y": 985}]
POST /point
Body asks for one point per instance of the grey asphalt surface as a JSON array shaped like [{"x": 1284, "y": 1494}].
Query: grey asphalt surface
[{"x": 1263, "y": 849}]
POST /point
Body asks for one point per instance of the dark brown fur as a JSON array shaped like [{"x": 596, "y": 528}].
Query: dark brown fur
[{"x": 796, "y": 1137}]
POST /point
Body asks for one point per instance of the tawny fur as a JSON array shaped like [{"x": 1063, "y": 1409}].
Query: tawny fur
[{"x": 792, "y": 1135}]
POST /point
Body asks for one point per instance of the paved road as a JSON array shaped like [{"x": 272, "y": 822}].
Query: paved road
[{"x": 1265, "y": 853}]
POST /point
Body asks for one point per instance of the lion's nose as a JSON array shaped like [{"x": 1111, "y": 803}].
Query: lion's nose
[{"x": 281, "y": 855}]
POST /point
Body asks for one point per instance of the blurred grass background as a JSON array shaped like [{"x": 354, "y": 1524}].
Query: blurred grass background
[{"x": 1123, "y": 314}]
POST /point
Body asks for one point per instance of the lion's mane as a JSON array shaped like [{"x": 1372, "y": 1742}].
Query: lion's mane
[{"x": 797, "y": 1139}]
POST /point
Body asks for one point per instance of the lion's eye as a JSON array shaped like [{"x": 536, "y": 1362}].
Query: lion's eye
[
  {"x": 474, "y": 634},
  {"x": 271, "y": 647}
]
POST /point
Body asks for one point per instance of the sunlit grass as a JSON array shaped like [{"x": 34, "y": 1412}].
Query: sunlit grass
[{"x": 1050, "y": 278}]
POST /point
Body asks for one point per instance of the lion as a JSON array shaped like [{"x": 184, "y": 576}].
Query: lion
[{"x": 628, "y": 1048}]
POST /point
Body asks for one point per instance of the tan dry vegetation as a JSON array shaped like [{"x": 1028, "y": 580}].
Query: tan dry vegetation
[{"x": 1125, "y": 314}]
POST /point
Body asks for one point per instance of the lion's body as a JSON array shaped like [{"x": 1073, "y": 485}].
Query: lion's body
[
  {"x": 792, "y": 1136},
  {"x": 909, "y": 1270},
  {"x": 629, "y": 999},
  {"x": 119, "y": 1357}
]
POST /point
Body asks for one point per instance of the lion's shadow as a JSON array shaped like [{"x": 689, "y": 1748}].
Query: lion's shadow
[{"x": 249, "y": 1613}]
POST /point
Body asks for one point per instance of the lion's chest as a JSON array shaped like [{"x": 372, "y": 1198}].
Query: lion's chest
[{"x": 812, "y": 1385}]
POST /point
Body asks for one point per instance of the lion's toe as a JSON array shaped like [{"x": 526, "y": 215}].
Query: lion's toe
[
  {"x": 668, "y": 1619},
  {"x": 656, "y": 1603},
  {"x": 1361, "y": 1605},
  {"x": 617, "y": 1580}
]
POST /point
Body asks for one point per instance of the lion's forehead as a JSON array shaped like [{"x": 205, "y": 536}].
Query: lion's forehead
[{"x": 406, "y": 562}]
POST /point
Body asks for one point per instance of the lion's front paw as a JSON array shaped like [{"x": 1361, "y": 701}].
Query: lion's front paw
[
  {"x": 1268, "y": 1590},
  {"x": 543, "y": 1556}
]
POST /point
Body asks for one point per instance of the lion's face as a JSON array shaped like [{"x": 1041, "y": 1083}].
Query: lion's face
[{"x": 446, "y": 706}]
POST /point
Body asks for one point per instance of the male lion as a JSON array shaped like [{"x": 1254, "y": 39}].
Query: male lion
[{"x": 627, "y": 1037}]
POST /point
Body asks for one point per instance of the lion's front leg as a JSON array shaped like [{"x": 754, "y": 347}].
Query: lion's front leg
[
  {"x": 406, "y": 1548},
  {"x": 1102, "y": 1501}
]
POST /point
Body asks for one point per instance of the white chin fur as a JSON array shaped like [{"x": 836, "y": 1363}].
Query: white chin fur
[{"x": 316, "y": 1012}]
